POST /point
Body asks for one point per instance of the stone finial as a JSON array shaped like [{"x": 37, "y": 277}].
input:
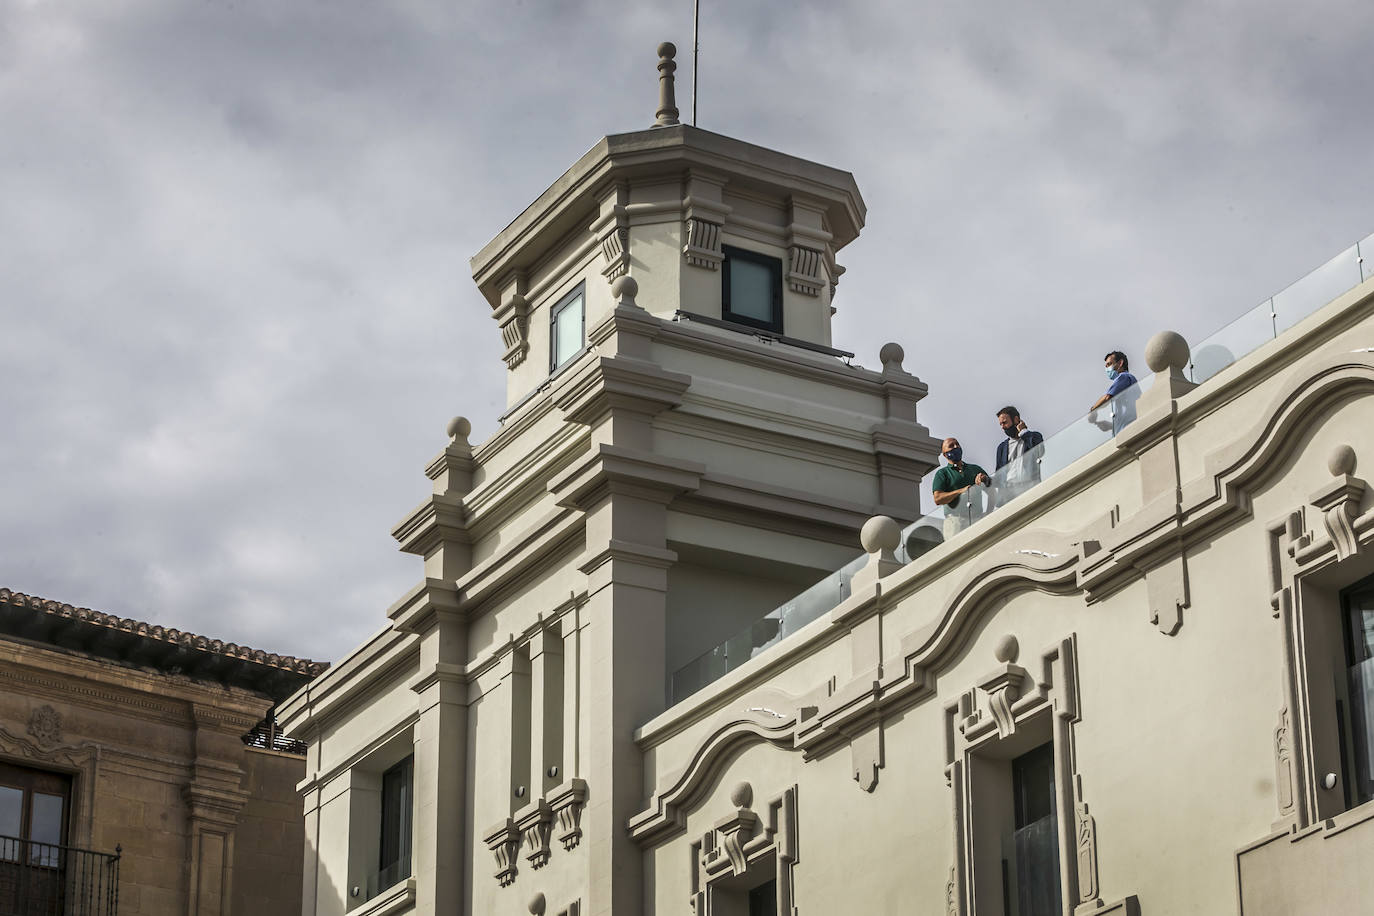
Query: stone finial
[
  {"x": 881, "y": 535},
  {"x": 666, "y": 116},
  {"x": 1167, "y": 351},
  {"x": 458, "y": 430},
  {"x": 1341, "y": 461},
  {"x": 537, "y": 905},
  {"x": 742, "y": 795},
  {"x": 624, "y": 290},
  {"x": 891, "y": 356},
  {"x": 1007, "y": 650}
]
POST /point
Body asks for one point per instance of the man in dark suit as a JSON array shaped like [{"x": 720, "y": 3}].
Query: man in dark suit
[{"x": 1018, "y": 456}]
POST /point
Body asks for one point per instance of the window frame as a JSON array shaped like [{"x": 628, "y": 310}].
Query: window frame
[
  {"x": 405, "y": 828},
  {"x": 774, "y": 265},
  {"x": 564, "y": 303}
]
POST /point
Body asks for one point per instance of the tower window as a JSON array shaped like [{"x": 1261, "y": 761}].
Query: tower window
[
  {"x": 1355, "y": 711},
  {"x": 566, "y": 328},
  {"x": 751, "y": 289}
]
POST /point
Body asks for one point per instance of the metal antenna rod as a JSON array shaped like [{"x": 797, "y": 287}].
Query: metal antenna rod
[{"x": 696, "y": 49}]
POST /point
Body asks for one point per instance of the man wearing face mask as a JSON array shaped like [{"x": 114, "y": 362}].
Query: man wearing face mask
[
  {"x": 1123, "y": 392},
  {"x": 1017, "y": 453},
  {"x": 951, "y": 485}
]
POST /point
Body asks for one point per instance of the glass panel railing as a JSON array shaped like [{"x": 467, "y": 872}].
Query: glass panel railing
[
  {"x": 1244, "y": 335},
  {"x": 771, "y": 628}
]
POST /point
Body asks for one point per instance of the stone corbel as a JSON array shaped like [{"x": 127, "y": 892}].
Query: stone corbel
[
  {"x": 567, "y": 802},
  {"x": 804, "y": 270},
  {"x": 808, "y": 246},
  {"x": 1003, "y": 688},
  {"x": 535, "y": 824},
  {"x": 1339, "y": 502},
  {"x": 504, "y": 842},
  {"x": 611, "y": 228},
  {"x": 513, "y": 314},
  {"x": 703, "y": 218}
]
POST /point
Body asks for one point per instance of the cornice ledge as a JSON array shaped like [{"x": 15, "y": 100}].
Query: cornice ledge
[
  {"x": 612, "y": 468},
  {"x": 420, "y": 608},
  {"x": 438, "y": 519},
  {"x": 765, "y": 715},
  {"x": 610, "y": 383},
  {"x": 784, "y": 501},
  {"x": 625, "y": 551}
]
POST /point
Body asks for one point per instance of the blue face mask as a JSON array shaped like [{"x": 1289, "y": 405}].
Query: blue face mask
[
  {"x": 955, "y": 455},
  {"x": 1112, "y": 373}
]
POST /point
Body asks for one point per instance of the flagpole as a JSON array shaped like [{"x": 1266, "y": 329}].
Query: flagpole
[{"x": 696, "y": 47}]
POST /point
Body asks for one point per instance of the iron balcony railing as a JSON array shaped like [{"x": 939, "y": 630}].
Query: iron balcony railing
[{"x": 43, "y": 879}]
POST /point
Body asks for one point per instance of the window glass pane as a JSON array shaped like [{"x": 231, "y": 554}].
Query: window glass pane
[
  {"x": 567, "y": 332},
  {"x": 11, "y": 810},
  {"x": 45, "y": 826},
  {"x": 1360, "y": 624},
  {"x": 396, "y": 823},
  {"x": 751, "y": 290},
  {"x": 763, "y": 900}
]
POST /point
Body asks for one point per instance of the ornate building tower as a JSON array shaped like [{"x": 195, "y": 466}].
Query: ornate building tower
[{"x": 683, "y": 451}]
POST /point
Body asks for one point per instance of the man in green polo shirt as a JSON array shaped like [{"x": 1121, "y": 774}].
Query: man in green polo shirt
[{"x": 950, "y": 488}]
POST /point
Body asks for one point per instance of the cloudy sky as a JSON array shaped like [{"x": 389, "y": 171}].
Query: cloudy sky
[{"x": 235, "y": 307}]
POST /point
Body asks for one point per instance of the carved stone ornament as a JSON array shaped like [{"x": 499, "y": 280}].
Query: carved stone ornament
[
  {"x": 1339, "y": 502},
  {"x": 745, "y": 841},
  {"x": 702, "y": 247},
  {"x": 1016, "y": 699},
  {"x": 45, "y": 725},
  {"x": 513, "y": 317},
  {"x": 615, "y": 250},
  {"x": 536, "y": 826},
  {"x": 804, "y": 270},
  {"x": 504, "y": 842},
  {"x": 567, "y": 802}
]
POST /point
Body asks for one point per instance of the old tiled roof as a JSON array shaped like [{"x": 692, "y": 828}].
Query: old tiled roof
[{"x": 149, "y": 645}]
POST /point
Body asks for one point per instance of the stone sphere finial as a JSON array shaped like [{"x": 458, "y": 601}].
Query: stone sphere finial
[
  {"x": 1341, "y": 461},
  {"x": 880, "y": 534},
  {"x": 458, "y": 429},
  {"x": 1007, "y": 650},
  {"x": 891, "y": 356},
  {"x": 1167, "y": 351},
  {"x": 667, "y": 49},
  {"x": 624, "y": 290},
  {"x": 537, "y": 905},
  {"x": 742, "y": 795}
]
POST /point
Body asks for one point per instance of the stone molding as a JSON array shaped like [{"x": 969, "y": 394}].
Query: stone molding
[
  {"x": 567, "y": 802},
  {"x": 79, "y": 760},
  {"x": 1096, "y": 561},
  {"x": 512, "y": 313},
  {"x": 767, "y": 715},
  {"x": 1013, "y": 698},
  {"x": 804, "y": 270},
  {"x": 744, "y": 840},
  {"x": 503, "y": 840}
]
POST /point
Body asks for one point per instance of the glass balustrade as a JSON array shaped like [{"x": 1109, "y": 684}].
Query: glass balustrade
[{"x": 1254, "y": 328}]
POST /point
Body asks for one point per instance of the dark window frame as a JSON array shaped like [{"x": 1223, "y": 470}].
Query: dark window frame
[
  {"x": 579, "y": 291},
  {"x": 1351, "y": 740},
  {"x": 774, "y": 266},
  {"x": 398, "y": 848}
]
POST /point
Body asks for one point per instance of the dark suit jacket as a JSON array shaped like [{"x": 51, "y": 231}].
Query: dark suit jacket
[{"x": 1031, "y": 439}]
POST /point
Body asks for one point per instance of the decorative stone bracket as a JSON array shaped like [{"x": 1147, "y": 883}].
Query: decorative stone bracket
[
  {"x": 567, "y": 802},
  {"x": 804, "y": 270},
  {"x": 513, "y": 316},
  {"x": 533, "y": 827},
  {"x": 1339, "y": 502},
  {"x": 701, "y": 247},
  {"x": 536, "y": 826},
  {"x": 504, "y": 842}
]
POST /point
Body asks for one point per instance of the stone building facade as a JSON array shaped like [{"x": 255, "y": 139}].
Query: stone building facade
[
  {"x": 648, "y": 668},
  {"x": 120, "y": 737}
]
